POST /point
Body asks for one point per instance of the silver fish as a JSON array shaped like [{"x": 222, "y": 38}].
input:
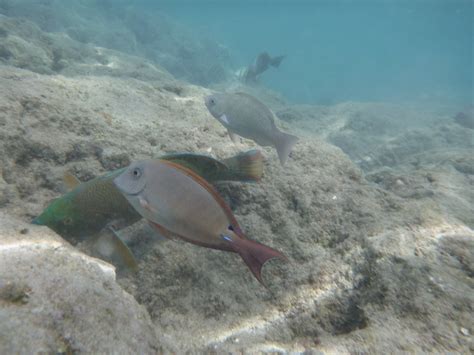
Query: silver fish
[{"x": 244, "y": 115}]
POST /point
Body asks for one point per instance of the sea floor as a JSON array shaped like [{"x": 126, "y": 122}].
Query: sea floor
[{"x": 374, "y": 211}]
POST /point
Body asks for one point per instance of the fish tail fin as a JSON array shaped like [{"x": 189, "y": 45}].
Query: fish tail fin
[
  {"x": 70, "y": 180},
  {"x": 255, "y": 255},
  {"x": 247, "y": 166},
  {"x": 276, "y": 61},
  {"x": 284, "y": 144}
]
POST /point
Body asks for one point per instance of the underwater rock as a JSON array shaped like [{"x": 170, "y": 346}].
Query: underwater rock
[
  {"x": 24, "y": 45},
  {"x": 24, "y": 48},
  {"x": 55, "y": 299},
  {"x": 123, "y": 27}
]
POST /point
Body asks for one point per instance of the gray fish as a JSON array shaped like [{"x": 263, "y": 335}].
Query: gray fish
[
  {"x": 91, "y": 208},
  {"x": 465, "y": 118},
  {"x": 244, "y": 115},
  {"x": 261, "y": 64},
  {"x": 179, "y": 203}
]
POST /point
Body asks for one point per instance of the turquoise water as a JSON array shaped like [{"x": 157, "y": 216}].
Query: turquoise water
[{"x": 346, "y": 50}]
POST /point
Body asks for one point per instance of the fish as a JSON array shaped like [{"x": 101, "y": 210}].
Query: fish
[
  {"x": 93, "y": 209},
  {"x": 96, "y": 205},
  {"x": 246, "y": 116},
  {"x": 245, "y": 166},
  {"x": 178, "y": 203},
  {"x": 465, "y": 118},
  {"x": 260, "y": 65},
  {"x": 87, "y": 208},
  {"x": 91, "y": 206}
]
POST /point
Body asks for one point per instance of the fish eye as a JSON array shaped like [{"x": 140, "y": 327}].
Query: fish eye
[
  {"x": 136, "y": 173},
  {"x": 67, "y": 221},
  {"x": 230, "y": 228},
  {"x": 212, "y": 101}
]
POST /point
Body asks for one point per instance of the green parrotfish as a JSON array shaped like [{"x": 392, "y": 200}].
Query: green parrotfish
[
  {"x": 179, "y": 203},
  {"x": 96, "y": 204},
  {"x": 244, "y": 115}
]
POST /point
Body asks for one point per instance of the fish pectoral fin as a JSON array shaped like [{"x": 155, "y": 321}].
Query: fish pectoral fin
[
  {"x": 70, "y": 180},
  {"x": 110, "y": 245},
  {"x": 234, "y": 137},
  {"x": 145, "y": 204},
  {"x": 224, "y": 119}
]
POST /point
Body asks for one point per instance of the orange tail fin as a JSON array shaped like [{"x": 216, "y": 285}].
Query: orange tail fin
[
  {"x": 247, "y": 166},
  {"x": 255, "y": 255}
]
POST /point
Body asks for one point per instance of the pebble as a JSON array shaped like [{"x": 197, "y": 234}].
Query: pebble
[{"x": 399, "y": 182}]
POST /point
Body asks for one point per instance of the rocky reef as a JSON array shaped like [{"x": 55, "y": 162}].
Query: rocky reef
[
  {"x": 119, "y": 26},
  {"x": 56, "y": 299},
  {"x": 373, "y": 212}
]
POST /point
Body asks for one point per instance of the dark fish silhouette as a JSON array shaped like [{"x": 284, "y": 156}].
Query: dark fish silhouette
[
  {"x": 261, "y": 64},
  {"x": 465, "y": 118}
]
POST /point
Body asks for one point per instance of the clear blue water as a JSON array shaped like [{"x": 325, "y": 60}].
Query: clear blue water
[{"x": 346, "y": 50}]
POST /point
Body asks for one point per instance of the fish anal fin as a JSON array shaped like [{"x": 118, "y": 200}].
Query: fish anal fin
[
  {"x": 70, "y": 180},
  {"x": 234, "y": 137},
  {"x": 174, "y": 236},
  {"x": 284, "y": 144}
]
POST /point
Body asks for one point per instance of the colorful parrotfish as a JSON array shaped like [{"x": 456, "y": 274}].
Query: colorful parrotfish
[{"x": 91, "y": 206}]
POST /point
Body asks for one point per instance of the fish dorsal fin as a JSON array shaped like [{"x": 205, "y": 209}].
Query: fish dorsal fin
[
  {"x": 244, "y": 94},
  {"x": 70, "y": 180},
  {"x": 193, "y": 159},
  {"x": 204, "y": 165},
  {"x": 209, "y": 188}
]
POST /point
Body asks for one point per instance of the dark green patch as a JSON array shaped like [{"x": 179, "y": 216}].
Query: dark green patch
[{"x": 15, "y": 293}]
